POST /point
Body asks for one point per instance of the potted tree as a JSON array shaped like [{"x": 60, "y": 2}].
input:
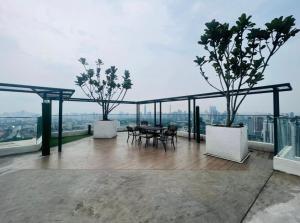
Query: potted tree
[
  {"x": 106, "y": 90},
  {"x": 239, "y": 55}
]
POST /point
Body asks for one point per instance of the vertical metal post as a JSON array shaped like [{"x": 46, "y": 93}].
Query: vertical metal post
[
  {"x": 60, "y": 114},
  {"x": 197, "y": 124},
  {"x": 46, "y": 127},
  {"x": 296, "y": 137},
  {"x": 154, "y": 113},
  {"x": 194, "y": 118},
  {"x": 138, "y": 113},
  {"x": 276, "y": 114},
  {"x": 160, "y": 114},
  {"x": 189, "y": 118}
]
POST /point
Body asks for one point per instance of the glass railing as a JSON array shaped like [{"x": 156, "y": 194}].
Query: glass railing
[
  {"x": 74, "y": 122},
  {"x": 289, "y": 138},
  {"x": 19, "y": 128},
  {"x": 260, "y": 127},
  {"x": 82, "y": 121}
]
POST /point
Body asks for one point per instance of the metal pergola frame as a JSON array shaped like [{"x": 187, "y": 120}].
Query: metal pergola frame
[
  {"x": 47, "y": 94},
  {"x": 60, "y": 94}
]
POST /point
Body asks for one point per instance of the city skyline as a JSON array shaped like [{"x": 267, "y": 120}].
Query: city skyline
[{"x": 260, "y": 127}]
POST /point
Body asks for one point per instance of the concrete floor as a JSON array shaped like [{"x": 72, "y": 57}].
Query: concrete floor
[
  {"x": 70, "y": 189},
  {"x": 278, "y": 202}
]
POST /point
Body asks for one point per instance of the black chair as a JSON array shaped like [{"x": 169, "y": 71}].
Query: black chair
[
  {"x": 146, "y": 135},
  {"x": 132, "y": 132},
  {"x": 156, "y": 134},
  {"x": 173, "y": 130},
  {"x": 164, "y": 138}
]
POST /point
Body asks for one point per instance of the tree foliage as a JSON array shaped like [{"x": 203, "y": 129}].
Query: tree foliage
[
  {"x": 105, "y": 89},
  {"x": 240, "y": 54}
]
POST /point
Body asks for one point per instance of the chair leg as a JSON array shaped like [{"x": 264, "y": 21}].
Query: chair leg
[
  {"x": 133, "y": 137},
  {"x": 172, "y": 141},
  {"x": 128, "y": 137},
  {"x": 164, "y": 144}
]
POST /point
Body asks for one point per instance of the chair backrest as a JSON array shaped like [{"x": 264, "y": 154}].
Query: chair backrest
[
  {"x": 144, "y": 123},
  {"x": 129, "y": 128},
  {"x": 172, "y": 128}
]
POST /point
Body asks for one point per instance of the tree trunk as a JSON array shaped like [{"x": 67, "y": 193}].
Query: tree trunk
[
  {"x": 105, "y": 116},
  {"x": 104, "y": 112},
  {"x": 228, "y": 124},
  {"x": 232, "y": 117}
]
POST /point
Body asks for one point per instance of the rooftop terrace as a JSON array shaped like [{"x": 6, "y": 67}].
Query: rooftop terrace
[{"x": 110, "y": 180}]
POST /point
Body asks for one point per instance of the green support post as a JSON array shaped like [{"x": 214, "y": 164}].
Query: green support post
[
  {"x": 46, "y": 128},
  {"x": 197, "y": 116}
]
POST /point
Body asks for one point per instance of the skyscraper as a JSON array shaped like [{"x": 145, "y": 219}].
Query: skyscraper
[{"x": 268, "y": 130}]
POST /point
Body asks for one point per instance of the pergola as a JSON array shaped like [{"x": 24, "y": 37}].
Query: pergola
[
  {"x": 48, "y": 94},
  {"x": 59, "y": 94}
]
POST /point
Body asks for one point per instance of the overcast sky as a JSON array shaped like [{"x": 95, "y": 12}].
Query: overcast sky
[{"x": 41, "y": 41}]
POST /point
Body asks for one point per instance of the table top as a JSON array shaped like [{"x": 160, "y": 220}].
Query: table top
[{"x": 152, "y": 128}]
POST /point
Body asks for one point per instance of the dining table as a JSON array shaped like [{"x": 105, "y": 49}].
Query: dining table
[
  {"x": 155, "y": 130},
  {"x": 152, "y": 128}
]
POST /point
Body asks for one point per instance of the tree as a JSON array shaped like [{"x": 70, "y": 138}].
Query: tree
[
  {"x": 103, "y": 88},
  {"x": 240, "y": 55}
]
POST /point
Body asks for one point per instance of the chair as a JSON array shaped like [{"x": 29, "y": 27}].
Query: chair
[
  {"x": 173, "y": 130},
  {"x": 156, "y": 135},
  {"x": 144, "y": 134},
  {"x": 164, "y": 138},
  {"x": 132, "y": 132}
]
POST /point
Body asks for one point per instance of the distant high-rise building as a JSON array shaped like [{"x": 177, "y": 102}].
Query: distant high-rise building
[
  {"x": 145, "y": 110},
  {"x": 250, "y": 124},
  {"x": 213, "y": 113},
  {"x": 258, "y": 124},
  {"x": 268, "y": 130}
]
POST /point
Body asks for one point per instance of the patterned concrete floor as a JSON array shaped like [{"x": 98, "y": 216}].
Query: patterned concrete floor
[
  {"x": 33, "y": 192},
  {"x": 278, "y": 202}
]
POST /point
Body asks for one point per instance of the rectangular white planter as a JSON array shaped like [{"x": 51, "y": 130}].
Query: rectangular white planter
[
  {"x": 105, "y": 129},
  {"x": 227, "y": 142}
]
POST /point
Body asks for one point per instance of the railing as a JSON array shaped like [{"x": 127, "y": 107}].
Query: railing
[
  {"x": 19, "y": 128},
  {"x": 260, "y": 127},
  {"x": 289, "y": 138}
]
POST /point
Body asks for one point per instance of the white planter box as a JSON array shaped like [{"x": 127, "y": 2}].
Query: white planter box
[
  {"x": 105, "y": 129},
  {"x": 227, "y": 142}
]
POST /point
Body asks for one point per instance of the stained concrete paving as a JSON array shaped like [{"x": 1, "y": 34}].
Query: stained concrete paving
[
  {"x": 278, "y": 202},
  {"x": 55, "y": 194},
  {"x": 127, "y": 196}
]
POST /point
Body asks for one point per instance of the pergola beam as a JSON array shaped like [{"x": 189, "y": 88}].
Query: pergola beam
[{"x": 61, "y": 94}]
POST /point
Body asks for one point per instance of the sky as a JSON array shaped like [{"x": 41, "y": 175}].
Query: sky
[{"x": 41, "y": 42}]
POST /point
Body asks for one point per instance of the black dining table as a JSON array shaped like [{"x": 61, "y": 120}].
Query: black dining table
[
  {"x": 155, "y": 130},
  {"x": 152, "y": 128}
]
